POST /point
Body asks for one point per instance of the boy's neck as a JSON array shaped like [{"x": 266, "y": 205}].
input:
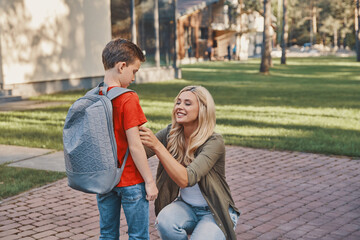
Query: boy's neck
[{"x": 110, "y": 79}]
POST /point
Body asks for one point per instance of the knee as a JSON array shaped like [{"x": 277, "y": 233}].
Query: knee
[
  {"x": 168, "y": 228},
  {"x": 164, "y": 222}
]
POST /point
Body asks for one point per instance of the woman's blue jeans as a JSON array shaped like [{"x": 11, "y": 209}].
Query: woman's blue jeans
[
  {"x": 136, "y": 209},
  {"x": 179, "y": 219}
]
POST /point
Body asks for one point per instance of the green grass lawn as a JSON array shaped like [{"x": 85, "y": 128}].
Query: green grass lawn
[
  {"x": 308, "y": 105},
  {"x": 15, "y": 180}
]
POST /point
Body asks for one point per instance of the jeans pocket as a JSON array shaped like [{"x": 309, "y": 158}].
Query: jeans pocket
[
  {"x": 156, "y": 224},
  {"x": 133, "y": 193},
  {"x": 234, "y": 216}
]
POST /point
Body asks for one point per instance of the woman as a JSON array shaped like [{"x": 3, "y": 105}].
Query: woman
[{"x": 192, "y": 161}]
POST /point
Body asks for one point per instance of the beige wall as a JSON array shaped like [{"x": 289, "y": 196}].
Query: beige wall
[{"x": 42, "y": 40}]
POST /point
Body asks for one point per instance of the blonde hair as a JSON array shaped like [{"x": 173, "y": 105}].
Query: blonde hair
[{"x": 206, "y": 124}]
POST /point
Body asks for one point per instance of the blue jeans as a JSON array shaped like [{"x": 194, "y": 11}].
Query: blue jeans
[
  {"x": 178, "y": 219},
  {"x": 136, "y": 209}
]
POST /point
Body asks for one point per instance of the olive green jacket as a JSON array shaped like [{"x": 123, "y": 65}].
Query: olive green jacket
[{"x": 208, "y": 170}]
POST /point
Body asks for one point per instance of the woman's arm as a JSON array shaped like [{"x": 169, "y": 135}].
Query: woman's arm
[
  {"x": 211, "y": 153},
  {"x": 208, "y": 155},
  {"x": 175, "y": 170},
  {"x": 139, "y": 157}
]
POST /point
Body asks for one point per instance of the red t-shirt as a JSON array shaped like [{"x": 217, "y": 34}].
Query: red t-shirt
[{"x": 127, "y": 113}]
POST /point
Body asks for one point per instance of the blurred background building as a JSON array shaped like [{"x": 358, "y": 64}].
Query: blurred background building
[{"x": 48, "y": 46}]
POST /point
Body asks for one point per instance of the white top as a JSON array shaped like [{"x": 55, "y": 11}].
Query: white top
[{"x": 193, "y": 196}]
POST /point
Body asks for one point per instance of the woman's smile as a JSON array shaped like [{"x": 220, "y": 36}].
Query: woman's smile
[{"x": 186, "y": 108}]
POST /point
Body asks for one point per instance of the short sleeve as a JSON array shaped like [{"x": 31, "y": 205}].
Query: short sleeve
[{"x": 133, "y": 113}]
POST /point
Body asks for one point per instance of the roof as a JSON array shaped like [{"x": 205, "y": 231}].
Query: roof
[{"x": 185, "y": 7}]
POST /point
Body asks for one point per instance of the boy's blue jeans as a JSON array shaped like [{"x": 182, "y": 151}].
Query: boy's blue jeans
[
  {"x": 136, "y": 209},
  {"x": 178, "y": 219}
]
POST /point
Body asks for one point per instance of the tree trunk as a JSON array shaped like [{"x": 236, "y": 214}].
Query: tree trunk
[
  {"x": 335, "y": 39},
  {"x": 270, "y": 50},
  {"x": 284, "y": 34},
  {"x": 133, "y": 22},
  {"x": 265, "y": 50},
  {"x": 239, "y": 33},
  {"x": 314, "y": 24},
  {"x": 278, "y": 32},
  {"x": 176, "y": 44},
  {"x": 157, "y": 35},
  {"x": 357, "y": 29}
]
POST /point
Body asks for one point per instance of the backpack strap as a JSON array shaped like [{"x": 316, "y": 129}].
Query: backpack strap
[
  {"x": 115, "y": 92},
  {"x": 96, "y": 90},
  {"x": 125, "y": 158}
]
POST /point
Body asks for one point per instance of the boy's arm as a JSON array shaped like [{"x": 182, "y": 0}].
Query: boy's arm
[{"x": 139, "y": 157}]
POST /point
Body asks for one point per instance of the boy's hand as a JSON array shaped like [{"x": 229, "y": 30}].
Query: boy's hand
[{"x": 151, "y": 191}]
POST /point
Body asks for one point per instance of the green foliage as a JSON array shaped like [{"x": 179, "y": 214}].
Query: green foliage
[
  {"x": 256, "y": 5},
  {"x": 331, "y": 16},
  {"x": 334, "y": 20},
  {"x": 16, "y": 180}
]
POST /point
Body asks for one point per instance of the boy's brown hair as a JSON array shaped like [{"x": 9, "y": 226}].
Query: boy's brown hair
[{"x": 121, "y": 50}]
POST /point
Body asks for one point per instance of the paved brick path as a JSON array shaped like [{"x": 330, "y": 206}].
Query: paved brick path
[{"x": 282, "y": 195}]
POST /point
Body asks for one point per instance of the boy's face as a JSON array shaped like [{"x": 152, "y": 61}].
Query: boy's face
[{"x": 127, "y": 72}]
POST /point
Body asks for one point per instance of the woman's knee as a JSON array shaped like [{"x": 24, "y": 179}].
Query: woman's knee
[
  {"x": 174, "y": 222},
  {"x": 164, "y": 221},
  {"x": 170, "y": 230}
]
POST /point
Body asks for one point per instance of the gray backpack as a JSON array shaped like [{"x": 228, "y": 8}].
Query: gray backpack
[{"x": 89, "y": 142}]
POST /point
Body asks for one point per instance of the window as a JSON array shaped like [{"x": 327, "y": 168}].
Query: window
[
  {"x": 121, "y": 19},
  {"x": 145, "y": 29},
  {"x": 204, "y": 33}
]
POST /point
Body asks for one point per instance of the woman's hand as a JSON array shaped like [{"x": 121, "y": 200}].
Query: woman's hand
[
  {"x": 176, "y": 171},
  {"x": 148, "y": 138}
]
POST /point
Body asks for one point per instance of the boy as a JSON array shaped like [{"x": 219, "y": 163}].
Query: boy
[{"x": 122, "y": 59}]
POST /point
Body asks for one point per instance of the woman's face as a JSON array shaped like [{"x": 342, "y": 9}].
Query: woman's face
[{"x": 186, "y": 108}]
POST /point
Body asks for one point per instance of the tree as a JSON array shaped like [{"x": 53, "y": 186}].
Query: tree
[
  {"x": 321, "y": 21},
  {"x": 330, "y": 27},
  {"x": 313, "y": 24},
  {"x": 284, "y": 34},
  {"x": 357, "y": 29},
  {"x": 265, "y": 50},
  {"x": 300, "y": 21},
  {"x": 336, "y": 19}
]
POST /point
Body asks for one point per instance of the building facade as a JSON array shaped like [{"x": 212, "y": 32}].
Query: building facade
[
  {"x": 220, "y": 24},
  {"x": 48, "y": 46}
]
